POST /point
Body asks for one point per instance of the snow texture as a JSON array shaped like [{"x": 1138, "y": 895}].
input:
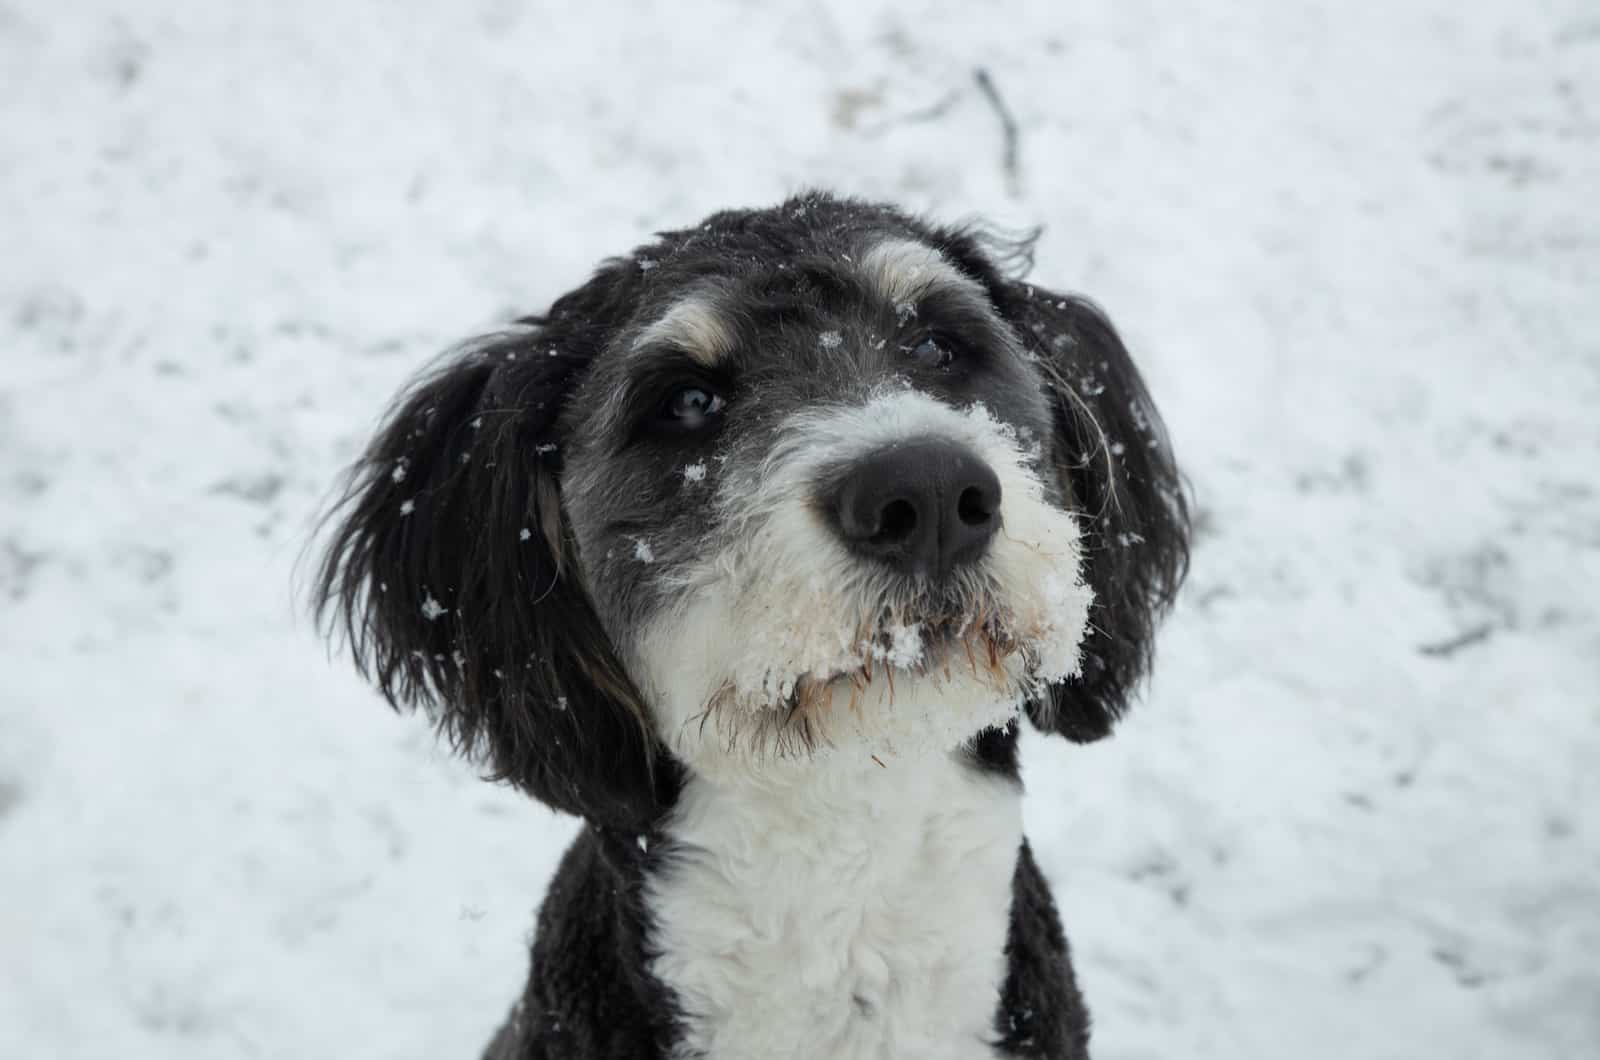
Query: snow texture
[{"x": 1354, "y": 247}]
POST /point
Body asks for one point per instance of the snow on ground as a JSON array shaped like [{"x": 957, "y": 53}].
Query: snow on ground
[{"x": 1356, "y": 247}]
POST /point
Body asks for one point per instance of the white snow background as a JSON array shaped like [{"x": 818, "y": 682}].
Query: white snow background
[{"x": 1355, "y": 247}]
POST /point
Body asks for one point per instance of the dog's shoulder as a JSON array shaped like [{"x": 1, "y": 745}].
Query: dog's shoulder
[
  {"x": 1042, "y": 1012},
  {"x": 588, "y": 996}
]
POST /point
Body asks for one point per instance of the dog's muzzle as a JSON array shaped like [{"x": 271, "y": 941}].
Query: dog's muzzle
[{"x": 922, "y": 507}]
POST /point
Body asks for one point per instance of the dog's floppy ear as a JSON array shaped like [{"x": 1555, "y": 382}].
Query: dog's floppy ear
[
  {"x": 451, "y": 571},
  {"x": 1113, "y": 461},
  {"x": 1113, "y": 465}
]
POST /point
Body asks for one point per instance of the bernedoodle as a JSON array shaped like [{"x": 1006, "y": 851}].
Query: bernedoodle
[{"x": 754, "y": 552}]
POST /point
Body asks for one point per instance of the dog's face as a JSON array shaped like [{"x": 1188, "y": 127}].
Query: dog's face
[
  {"x": 803, "y": 482},
  {"x": 811, "y": 500}
]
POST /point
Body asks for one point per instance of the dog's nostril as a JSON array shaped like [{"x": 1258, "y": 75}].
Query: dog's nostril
[
  {"x": 896, "y": 522},
  {"x": 974, "y": 507}
]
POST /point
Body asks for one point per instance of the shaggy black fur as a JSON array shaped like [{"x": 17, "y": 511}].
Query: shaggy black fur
[{"x": 453, "y": 571}]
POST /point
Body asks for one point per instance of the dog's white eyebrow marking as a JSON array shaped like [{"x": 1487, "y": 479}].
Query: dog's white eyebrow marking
[
  {"x": 696, "y": 325},
  {"x": 903, "y": 271}
]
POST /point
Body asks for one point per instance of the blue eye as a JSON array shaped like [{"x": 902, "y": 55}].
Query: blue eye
[
  {"x": 929, "y": 353},
  {"x": 690, "y": 408}
]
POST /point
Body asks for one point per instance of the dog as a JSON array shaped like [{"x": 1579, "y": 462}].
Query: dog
[{"x": 755, "y": 551}]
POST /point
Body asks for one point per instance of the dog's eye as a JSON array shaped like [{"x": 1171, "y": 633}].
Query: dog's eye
[
  {"x": 930, "y": 354},
  {"x": 690, "y": 408}
]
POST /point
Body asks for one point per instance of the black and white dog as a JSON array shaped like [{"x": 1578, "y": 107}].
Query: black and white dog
[{"x": 752, "y": 552}]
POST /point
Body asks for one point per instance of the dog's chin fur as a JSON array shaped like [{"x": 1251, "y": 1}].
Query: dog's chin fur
[{"x": 786, "y": 648}]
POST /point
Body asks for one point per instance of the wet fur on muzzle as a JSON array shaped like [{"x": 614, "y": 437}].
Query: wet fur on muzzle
[{"x": 785, "y": 644}]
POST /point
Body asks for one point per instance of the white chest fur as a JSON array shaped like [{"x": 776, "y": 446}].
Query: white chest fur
[{"x": 861, "y": 912}]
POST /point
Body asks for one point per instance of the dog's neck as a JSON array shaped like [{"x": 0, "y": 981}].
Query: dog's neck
[{"x": 860, "y": 910}]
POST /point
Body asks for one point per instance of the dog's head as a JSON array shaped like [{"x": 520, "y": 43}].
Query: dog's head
[{"x": 812, "y": 481}]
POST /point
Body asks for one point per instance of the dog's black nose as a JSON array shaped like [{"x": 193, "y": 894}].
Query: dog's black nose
[{"x": 924, "y": 507}]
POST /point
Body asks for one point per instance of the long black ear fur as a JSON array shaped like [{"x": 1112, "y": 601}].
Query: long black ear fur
[
  {"x": 1114, "y": 460},
  {"x": 452, "y": 574},
  {"x": 1114, "y": 465}
]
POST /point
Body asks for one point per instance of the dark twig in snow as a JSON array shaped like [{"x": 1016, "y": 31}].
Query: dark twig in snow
[
  {"x": 1008, "y": 129},
  {"x": 1443, "y": 649}
]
